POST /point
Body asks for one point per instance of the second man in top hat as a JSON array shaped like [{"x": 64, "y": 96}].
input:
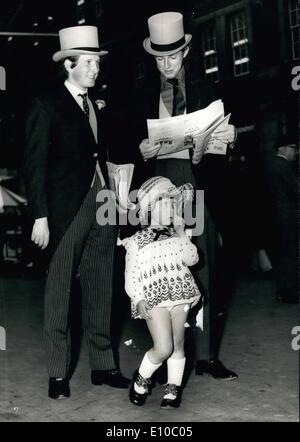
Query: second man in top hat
[{"x": 173, "y": 93}]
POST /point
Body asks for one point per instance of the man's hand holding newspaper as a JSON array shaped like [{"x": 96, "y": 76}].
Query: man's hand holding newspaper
[
  {"x": 205, "y": 131},
  {"x": 148, "y": 150},
  {"x": 151, "y": 150},
  {"x": 216, "y": 143}
]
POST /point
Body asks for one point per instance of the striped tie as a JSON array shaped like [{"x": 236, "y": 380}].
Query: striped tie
[
  {"x": 179, "y": 104},
  {"x": 86, "y": 108}
]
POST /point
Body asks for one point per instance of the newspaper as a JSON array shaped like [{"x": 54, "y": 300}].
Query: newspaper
[
  {"x": 208, "y": 141},
  {"x": 120, "y": 179},
  {"x": 178, "y": 133}
]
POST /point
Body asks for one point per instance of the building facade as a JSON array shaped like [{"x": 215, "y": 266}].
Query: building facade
[{"x": 249, "y": 48}]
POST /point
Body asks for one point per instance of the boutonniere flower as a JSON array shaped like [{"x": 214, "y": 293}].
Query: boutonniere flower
[{"x": 101, "y": 104}]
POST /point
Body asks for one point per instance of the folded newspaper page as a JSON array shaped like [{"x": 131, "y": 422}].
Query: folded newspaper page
[
  {"x": 174, "y": 134},
  {"x": 217, "y": 146},
  {"x": 208, "y": 141},
  {"x": 120, "y": 179}
]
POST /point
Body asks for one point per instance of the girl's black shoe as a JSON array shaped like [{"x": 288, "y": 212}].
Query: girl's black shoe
[
  {"x": 172, "y": 403},
  {"x": 137, "y": 398}
]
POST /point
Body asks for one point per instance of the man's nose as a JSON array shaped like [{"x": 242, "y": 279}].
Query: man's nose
[
  {"x": 95, "y": 67},
  {"x": 166, "y": 63}
]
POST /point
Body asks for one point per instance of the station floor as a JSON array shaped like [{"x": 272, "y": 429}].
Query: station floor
[{"x": 257, "y": 345}]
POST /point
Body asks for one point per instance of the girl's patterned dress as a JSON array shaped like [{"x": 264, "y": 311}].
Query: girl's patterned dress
[{"x": 157, "y": 269}]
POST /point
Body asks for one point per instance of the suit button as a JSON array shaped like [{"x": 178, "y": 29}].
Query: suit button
[{"x": 95, "y": 155}]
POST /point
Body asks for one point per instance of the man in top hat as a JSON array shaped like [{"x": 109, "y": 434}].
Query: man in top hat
[
  {"x": 65, "y": 169},
  {"x": 171, "y": 94}
]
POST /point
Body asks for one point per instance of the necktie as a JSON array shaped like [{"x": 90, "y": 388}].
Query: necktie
[
  {"x": 178, "y": 98},
  {"x": 86, "y": 108}
]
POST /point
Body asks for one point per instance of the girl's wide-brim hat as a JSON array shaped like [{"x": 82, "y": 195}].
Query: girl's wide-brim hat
[
  {"x": 158, "y": 187},
  {"x": 166, "y": 34},
  {"x": 78, "y": 40}
]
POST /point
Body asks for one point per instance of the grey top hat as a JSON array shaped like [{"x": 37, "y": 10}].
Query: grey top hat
[
  {"x": 78, "y": 40},
  {"x": 166, "y": 34}
]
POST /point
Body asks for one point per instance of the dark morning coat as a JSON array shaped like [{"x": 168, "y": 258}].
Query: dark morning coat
[{"x": 60, "y": 160}]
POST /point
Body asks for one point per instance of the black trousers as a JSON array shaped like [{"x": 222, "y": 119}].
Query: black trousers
[{"x": 90, "y": 249}]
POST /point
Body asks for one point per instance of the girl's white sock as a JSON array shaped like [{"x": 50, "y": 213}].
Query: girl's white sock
[
  {"x": 146, "y": 370},
  {"x": 175, "y": 374}
]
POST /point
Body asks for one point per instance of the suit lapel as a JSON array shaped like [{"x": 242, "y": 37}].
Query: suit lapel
[
  {"x": 200, "y": 95},
  {"x": 156, "y": 104},
  {"x": 152, "y": 100},
  {"x": 99, "y": 121},
  {"x": 101, "y": 131},
  {"x": 192, "y": 98}
]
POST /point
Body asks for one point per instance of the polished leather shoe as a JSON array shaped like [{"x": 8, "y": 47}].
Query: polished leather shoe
[
  {"x": 216, "y": 369},
  {"x": 59, "y": 389},
  {"x": 137, "y": 398},
  {"x": 113, "y": 378},
  {"x": 172, "y": 403}
]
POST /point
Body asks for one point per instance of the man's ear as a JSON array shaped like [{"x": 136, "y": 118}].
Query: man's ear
[
  {"x": 186, "y": 51},
  {"x": 68, "y": 65}
]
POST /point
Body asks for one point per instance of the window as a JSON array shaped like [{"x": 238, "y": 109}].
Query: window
[
  {"x": 209, "y": 44},
  {"x": 240, "y": 44},
  {"x": 294, "y": 26}
]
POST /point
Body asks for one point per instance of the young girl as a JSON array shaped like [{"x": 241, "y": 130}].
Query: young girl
[{"x": 161, "y": 286}]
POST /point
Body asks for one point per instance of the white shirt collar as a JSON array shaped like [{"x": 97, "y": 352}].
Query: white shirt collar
[{"x": 74, "y": 90}]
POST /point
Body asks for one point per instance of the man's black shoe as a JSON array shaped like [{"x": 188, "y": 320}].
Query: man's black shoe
[
  {"x": 113, "y": 378},
  {"x": 59, "y": 389},
  {"x": 216, "y": 369}
]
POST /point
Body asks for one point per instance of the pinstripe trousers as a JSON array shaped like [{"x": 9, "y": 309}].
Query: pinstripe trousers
[{"x": 89, "y": 248}]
